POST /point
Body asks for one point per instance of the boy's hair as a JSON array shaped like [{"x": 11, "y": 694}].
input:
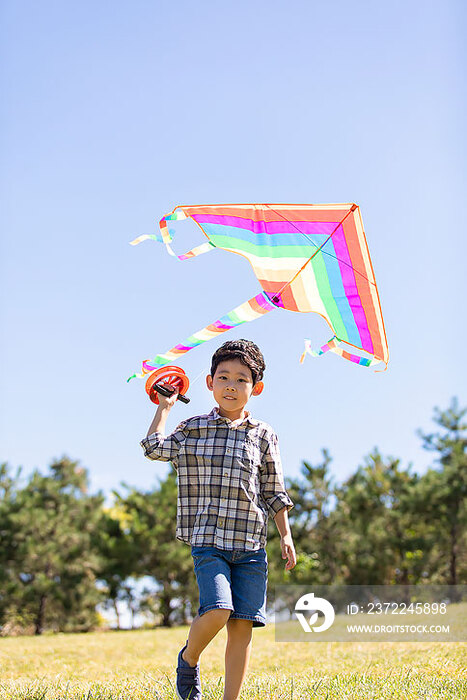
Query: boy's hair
[{"x": 244, "y": 350}]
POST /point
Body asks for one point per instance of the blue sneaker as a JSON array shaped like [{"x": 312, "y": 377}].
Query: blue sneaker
[{"x": 188, "y": 681}]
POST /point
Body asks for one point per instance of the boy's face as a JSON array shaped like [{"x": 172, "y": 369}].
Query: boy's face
[{"x": 232, "y": 386}]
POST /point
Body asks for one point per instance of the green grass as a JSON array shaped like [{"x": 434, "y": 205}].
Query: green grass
[{"x": 141, "y": 664}]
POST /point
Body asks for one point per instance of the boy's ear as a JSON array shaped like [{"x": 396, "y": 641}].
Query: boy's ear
[
  {"x": 209, "y": 382},
  {"x": 257, "y": 389}
]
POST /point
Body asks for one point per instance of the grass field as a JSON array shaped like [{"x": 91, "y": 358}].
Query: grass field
[{"x": 138, "y": 665}]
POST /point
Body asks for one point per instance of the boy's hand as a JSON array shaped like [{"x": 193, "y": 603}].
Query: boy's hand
[
  {"x": 288, "y": 551},
  {"x": 167, "y": 401}
]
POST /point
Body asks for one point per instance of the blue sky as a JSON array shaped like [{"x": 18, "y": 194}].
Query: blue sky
[{"x": 115, "y": 113}]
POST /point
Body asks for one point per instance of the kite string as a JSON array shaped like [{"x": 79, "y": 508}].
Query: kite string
[{"x": 206, "y": 367}]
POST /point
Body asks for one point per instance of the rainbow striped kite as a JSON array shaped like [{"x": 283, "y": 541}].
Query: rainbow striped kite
[{"x": 307, "y": 258}]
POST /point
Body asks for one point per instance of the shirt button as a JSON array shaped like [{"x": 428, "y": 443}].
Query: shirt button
[
  {"x": 221, "y": 522},
  {"x": 226, "y": 473},
  {"x": 229, "y": 451}
]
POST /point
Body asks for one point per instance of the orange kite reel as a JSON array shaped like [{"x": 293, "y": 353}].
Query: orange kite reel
[{"x": 172, "y": 375}]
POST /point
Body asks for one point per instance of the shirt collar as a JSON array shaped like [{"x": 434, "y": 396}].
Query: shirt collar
[{"x": 215, "y": 415}]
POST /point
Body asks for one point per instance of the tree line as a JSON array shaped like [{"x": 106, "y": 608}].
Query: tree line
[{"x": 63, "y": 552}]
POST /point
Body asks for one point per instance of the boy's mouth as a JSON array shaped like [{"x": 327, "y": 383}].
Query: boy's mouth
[{"x": 230, "y": 398}]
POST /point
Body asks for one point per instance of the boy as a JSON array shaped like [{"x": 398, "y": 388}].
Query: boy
[{"x": 229, "y": 481}]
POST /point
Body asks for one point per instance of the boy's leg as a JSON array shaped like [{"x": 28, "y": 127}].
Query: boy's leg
[
  {"x": 202, "y": 630},
  {"x": 237, "y": 656}
]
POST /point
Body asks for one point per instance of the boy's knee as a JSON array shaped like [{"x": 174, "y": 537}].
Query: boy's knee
[
  {"x": 219, "y": 615},
  {"x": 239, "y": 627}
]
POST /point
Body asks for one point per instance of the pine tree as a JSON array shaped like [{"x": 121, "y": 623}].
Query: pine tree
[
  {"x": 53, "y": 570},
  {"x": 442, "y": 495}
]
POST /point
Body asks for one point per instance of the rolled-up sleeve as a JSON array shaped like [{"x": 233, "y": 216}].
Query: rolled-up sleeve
[
  {"x": 166, "y": 449},
  {"x": 272, "y": 480}
]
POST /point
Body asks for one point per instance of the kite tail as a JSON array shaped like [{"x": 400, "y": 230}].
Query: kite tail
[
  {"x": 248, "y": 311},
  {"x": 166, "y": 236},
  {"x": 333, "y": 346}
]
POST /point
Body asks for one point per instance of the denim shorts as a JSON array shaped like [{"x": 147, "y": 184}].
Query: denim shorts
[{"x": 234, "y": 580}]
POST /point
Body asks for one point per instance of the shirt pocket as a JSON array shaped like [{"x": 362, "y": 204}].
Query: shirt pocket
[{"x": 250, "y": 461}]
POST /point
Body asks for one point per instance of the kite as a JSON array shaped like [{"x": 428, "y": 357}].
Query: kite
[{"x": 306, "y": 257}]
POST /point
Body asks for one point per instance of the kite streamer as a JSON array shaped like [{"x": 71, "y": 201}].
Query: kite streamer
[{"x": 306, "y": 257}]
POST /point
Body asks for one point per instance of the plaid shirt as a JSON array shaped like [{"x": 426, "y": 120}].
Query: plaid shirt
[{"x": 229, "y": 479}]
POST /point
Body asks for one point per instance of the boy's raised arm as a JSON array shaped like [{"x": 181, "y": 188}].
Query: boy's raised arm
[
  {"x": 159, "y": 420},
  {"x": 162, "y": 413},
  {"x": 155, "y": 445}
]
